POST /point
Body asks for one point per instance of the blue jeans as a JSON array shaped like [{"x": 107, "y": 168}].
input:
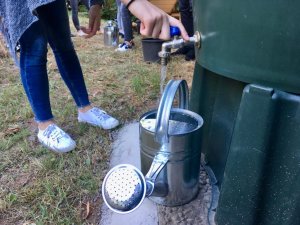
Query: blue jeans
[
  {"x": 127, "y": 24},
  {"x": 53, "y": 28},
  {"x": 119, "y": 16}
]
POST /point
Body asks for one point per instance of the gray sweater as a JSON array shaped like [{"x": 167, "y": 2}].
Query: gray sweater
[{"x": 17, "y": 15}]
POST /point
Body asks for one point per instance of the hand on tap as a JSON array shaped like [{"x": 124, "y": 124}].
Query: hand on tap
[{"x": 154, "y": 22}]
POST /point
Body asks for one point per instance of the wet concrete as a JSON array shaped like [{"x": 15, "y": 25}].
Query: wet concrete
[{"x": 126, "y": 150}]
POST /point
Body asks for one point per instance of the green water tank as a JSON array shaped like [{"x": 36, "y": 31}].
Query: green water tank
[
  {"x": 246, "y": 86},
  {"x": 251, "y": 41}
]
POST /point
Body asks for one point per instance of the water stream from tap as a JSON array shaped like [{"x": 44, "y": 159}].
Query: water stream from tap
[{"x": 163, "y": 75}]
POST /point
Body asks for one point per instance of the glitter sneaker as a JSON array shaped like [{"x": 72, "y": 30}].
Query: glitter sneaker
[
  {"x": 56, "y": 139},
  {"x": 98, "y": 117},
  {"x": 126, "y": 46}
]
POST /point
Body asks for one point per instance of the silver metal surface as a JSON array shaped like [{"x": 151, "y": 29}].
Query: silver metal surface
[
  {"x": 165, "y": 105},
  {"x": 124, "y": 188},
  {"x": 176, "y": 43},
  {"x": 168, "y": 158},
  {"x": 196, "y": 39},
  {"x": 159, "y": 161},
  {"x": 172, "y": 132},
  {"x": 111, "y": 34}
]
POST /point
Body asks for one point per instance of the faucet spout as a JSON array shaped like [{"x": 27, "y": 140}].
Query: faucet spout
[
  {"x": 166, "y": 47},
  {"x": 176, "y": 43}
]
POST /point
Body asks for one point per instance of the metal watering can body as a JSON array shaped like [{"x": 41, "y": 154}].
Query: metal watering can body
[
  {"x": 177, "y": 182},
  {"x": 172, "y": 132},
  {"x": 111, "y": 34},
  {"x": 169, "y": 156}
]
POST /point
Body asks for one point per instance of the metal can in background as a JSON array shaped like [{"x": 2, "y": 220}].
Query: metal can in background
[{"x": 111, "y": 34}]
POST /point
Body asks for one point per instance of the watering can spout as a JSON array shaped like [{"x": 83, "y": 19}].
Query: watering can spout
[
  {"x": 137, "y": 189},
  {"x": 159, "y": 161}
]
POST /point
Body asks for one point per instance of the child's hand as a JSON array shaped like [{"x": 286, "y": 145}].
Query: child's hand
[{"x": 154, "y": 22}]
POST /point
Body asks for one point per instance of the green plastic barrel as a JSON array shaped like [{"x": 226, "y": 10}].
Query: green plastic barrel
[
  {"x": 246, "y": 86},
  {"x": 252, "y": 40}
]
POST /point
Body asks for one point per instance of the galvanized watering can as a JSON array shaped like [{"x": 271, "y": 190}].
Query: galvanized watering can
[
  {"x": 170, "y": 157},
  {"x": 111, "y": 34}
]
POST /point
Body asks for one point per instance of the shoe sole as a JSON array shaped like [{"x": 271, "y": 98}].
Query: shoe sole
[
  {"x": 117, "y": 50},
  {"x": 96, "y": 125},
  {"x": 57, "y": 150}
]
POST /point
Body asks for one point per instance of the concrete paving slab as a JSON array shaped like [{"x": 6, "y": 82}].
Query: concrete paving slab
[{"x": 126, "y": 150}]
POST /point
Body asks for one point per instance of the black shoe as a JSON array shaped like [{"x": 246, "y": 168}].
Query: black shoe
[{"x": 190, "y": 55}]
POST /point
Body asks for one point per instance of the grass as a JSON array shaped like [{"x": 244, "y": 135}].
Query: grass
[{"x": 41, "y": 187}]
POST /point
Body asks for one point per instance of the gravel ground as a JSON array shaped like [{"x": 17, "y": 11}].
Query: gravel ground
[{"x": 193, "y": 213}]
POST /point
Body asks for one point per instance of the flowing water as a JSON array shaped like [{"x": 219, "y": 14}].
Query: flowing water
[{"x": 163, "y": 75}]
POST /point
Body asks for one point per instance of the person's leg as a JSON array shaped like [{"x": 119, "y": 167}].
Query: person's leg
[
  {"x": 74, "y": 7},
  {"x": 54, "y": 19},
  {"x": 127, "y": 23},
  {"x": 86, "y": 4},
  {"x": 128, "y": 33},
  {"x": 119, "y": 17},
  {"x": 33, "y": 60},
  {"x": 186, "y": 15}
]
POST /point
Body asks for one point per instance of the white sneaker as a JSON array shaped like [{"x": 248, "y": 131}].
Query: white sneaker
[
  {"x": 124, "y": 47},
  {"x": 56, "y": 139},
  {"x": 98, "y": 117}
]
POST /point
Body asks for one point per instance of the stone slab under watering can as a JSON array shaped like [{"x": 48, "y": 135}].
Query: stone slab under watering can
[{"x": 170, "y": 160}]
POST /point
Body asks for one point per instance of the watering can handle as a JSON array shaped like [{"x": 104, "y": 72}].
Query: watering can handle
[{"x": 165, "y": 105}]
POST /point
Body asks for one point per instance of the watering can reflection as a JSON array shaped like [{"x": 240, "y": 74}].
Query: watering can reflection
[{"x": 170, "y": 157}]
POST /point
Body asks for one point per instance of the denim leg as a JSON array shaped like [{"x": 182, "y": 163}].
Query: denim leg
[
  {"x": 33, "y": 69},
  {"x": 119, "y": 16},
  {"x": 54, "y": 19},
  {"x": 186, "y": 14},
  {"x": 86, "y": 3},
  {"x": 126, "y": 19},
  {"x": 74, "y": 7}
]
